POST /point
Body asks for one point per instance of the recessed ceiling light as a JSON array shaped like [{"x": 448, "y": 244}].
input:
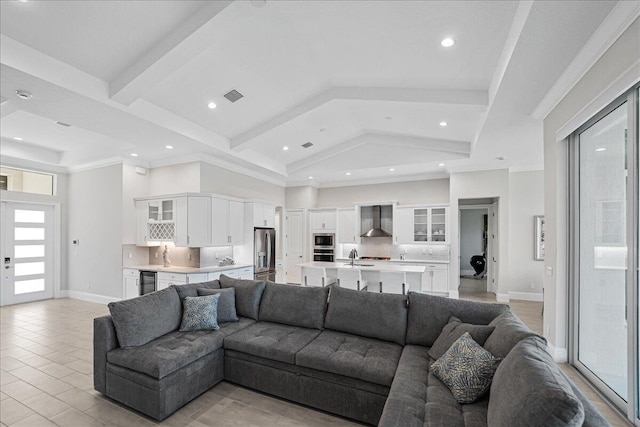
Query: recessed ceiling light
[
  {"x": 23, "y": 1},
  {"x": 601, "y": 149},
  {"x": 285, "y": 148},
  {"x": 391, "y": 169},
  {"x": 17, "y": 138},
  {"x": 23, "y": 94},
  {"x": 388, "y": 118},
  {"x": 443, "y": 124},
  {"x": 440, "y": 164},
  {"x": 500, "y": 158},
  {"x": 348, "y": 173},
  {"x": 310, "y": 177},
  {"x": 211, "y": 105},
  {"x": 134, "y": 154},
  {"x": 169, "y": 147},
  {"x": 323, "y": 129},
  {"x": 447, "y": 42}
]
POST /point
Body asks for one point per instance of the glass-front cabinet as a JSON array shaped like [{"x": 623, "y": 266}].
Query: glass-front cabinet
[
  {"x": 160, "y": 210},
  {"x": 420, "y": 224}
]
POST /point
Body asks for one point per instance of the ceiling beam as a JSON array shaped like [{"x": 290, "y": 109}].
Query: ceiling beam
[
  {"x": 175, "y": 50},
  {"x": 461, "y": 148},
  {"x": 470, "y": 98}
]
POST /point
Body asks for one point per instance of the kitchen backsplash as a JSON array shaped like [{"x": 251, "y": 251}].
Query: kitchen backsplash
[
  {"x": 382, "y": 247},
  {"x": 184, "y": 257},
  {"x": 209, "y": 257},
  {"x": 139, "y": 255}
]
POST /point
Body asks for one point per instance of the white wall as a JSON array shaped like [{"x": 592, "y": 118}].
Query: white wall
[
  {"x": 301, "y": 197},
  {"x": 476, "y": 185},
  {"x": 431, "y": 191},
  {"x": 214, "y": 179},
  {"x": 613, "y": 64},
  {"x": 183, "y": 178},
  {"x": 526, "y": 199},
  {"x": 471, "y": 234},
  {"x": 133, "y": 185},
  {"x": 95, "y": 218}
]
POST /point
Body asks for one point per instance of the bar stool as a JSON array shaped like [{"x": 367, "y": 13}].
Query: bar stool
[
  {"x": 351, "y": 278},
  {"x": 394, "y": 282},
  {"x": 316, "y": 276}
]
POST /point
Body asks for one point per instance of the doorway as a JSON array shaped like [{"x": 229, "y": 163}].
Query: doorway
[{"x": 26, "y": 252}]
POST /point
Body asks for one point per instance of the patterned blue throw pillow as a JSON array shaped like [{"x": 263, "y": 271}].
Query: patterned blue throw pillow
[
  {"x": 466, "y": 369},
  {"x": 200, "y": 313}
]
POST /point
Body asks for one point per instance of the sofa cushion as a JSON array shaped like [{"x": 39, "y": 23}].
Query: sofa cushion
[
  {"x": 248, "y": 295},
  {"x": 429, "y": 314},
  {"x": 509, "y": 331},
  {"x": 200, "y": 313},
  {"x": 530, "y": 390},
  {"x": 191, "y": 290},
  {"x": 226, "y": 303},
  {"x": 367, "y": 314},
  {"x": 168, "y": 353},
  {"x": 466, "y": 369},
  {"x": 143, "y": 319},
  {"x": 454, "y": 330},
  {"x": 271, "y": 340},
  {"x": 294, "y": 305},
  {"x": 352, "y": 356}
]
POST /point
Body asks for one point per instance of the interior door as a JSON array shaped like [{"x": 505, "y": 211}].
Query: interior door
[
  {"x": 27, "y": 252},
  {"x": 492, "y": 250},
  {"x": 295, "y": 245}
]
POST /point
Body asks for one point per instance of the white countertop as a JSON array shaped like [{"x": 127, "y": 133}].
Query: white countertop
[
  {"x": 187, "y": 270},
  {"x": 408, "y": 261},
  {"x": 384, "y": 267}
]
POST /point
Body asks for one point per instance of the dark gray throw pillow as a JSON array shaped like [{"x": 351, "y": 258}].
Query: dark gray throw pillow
[
  {"x": 226, "y": 304},
  {"x": 454, "y": 330},
  {"x": 199, "y": 314},
  {"x": 248, "y": 295},
  {"x": 466, "y": 369}
]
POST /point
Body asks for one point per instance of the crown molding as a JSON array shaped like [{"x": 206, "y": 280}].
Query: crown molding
[
  {"x": 9, "y": 161},
  {"x": 105, "y": 163},
  {"x": 619, "y": 19},
  {"x": 385, "y": 180}
]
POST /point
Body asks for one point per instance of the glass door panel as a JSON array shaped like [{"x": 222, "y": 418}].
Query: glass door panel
[
  {"x": 420, "y": 225},
  {"x": 602, "y": 251}
]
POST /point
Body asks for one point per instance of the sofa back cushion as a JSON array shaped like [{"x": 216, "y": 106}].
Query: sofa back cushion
[
  {"x": 294, "y": 305},
  {"x": 429, "y": 314},
  {"x": 529, "y": 389},
  {"x": 143, "y": 319},
  {"x": 248, "y": 295},
  {"x": 191, "y": 290},
  {"x": 226, "y": 303},
  {"x": 368, "y": 314},
  {"x": 509, "y": 331}
]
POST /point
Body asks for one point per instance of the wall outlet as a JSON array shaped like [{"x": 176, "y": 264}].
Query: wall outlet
[
  {"x": 130, "y": 255},
  {"x": 532, "y": 286},
  {"x": 156, "y": 254},
  {"x": 424, "y": 250},
  {"x": 89, "y": 286}
]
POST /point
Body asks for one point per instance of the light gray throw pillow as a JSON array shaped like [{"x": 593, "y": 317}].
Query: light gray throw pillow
[
  {"x": 226, "y": 304},
  {"x": 200, "y": 314}
]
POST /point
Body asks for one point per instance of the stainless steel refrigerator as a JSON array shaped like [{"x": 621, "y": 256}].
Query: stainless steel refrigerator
[{"x": 264, "y": 254}]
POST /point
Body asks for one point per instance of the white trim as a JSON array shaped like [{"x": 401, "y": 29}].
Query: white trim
[
  {"x": 63, "y": 294},
  {"x": 85, "y": 296},
  {"x": 526, "y": 296},
  {"x": 104, "y": 163},
  {"x": 559, "y": 354},
  {"x": 619, "y": 19},
  {"x": 384, "y": 180},
  {"x": 16, "y": 162},
  {"x": 502, "y": 297},
  {"x": 611, "y": 92},
  {"x": 454, "y": 294}
]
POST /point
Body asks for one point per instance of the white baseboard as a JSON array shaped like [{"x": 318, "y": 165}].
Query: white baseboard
[
  {"x": 559, "y": 354},
  {"x": 502, "y": 297},
  {"x": 454, "y": 294},
  {"x": 467, "y": 272},
  {"x": 85, "y": 296},
  {"x": 526, "y": 296}
]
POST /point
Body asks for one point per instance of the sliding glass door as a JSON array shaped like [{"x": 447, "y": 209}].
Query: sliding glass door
[{"x": 605, "y": 252}]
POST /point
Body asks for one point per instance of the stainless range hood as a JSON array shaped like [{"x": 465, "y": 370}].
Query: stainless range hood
[{"x": 377, "y": 230}]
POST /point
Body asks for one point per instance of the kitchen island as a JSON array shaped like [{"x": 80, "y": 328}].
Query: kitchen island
[{"x": 371, "y": 272}]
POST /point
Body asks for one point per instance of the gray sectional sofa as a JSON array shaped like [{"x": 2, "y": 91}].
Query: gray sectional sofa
[{"x": 359, "y": 355}]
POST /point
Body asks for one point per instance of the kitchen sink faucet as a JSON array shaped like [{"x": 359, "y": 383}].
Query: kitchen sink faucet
[{"x": 353, "y": 255}]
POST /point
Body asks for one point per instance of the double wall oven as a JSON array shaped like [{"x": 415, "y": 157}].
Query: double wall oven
[{"x": 324, "y": 247}]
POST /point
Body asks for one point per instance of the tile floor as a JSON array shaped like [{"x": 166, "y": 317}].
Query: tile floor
[{"x": 46, "y": 377}]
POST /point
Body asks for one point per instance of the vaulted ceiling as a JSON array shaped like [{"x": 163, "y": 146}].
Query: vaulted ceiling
[{"x": 367, "y": 83}]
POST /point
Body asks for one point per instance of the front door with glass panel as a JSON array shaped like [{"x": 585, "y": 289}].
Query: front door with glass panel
[{"x": 26, "y": 253}]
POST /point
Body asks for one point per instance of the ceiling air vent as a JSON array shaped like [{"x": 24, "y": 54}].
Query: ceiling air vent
[
  {"x": 307, "y": 145},
  {"x": 67, "y": 125},
  {"x": 233, "y": 95}
]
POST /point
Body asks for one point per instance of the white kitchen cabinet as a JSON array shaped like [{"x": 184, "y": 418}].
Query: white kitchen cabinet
[
  {"x": 164, "y": 279},
  {"x": 323, "y": 220},
  {"x": 420, "y": 224},
  {"x": 130, "y": 283},
  {"x": 436, "y": 278},
  {"x": 155, "y": 222},
  {"x": 193, "y": 221},
  {"x": 347, "y": 226},
  {"x": 227, "y": 220},
  {"x": 264, "y": 215},
  {"x": 236, "y": 273}
]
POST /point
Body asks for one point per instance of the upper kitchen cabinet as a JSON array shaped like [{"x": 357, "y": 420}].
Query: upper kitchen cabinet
[
  {"x": 323, "y": 220},
  {"x": 193, "y": 222},
  {"x": 420, "y": 224},
  {"x": 155, "y": 221},
  {"x": 264, "y": 214},
  {"x": 227, "y": 221},
  {"x": 347, "y": 227}
]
